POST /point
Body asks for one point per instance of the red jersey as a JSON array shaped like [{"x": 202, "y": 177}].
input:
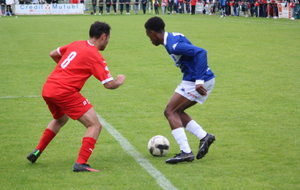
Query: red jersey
[{"x": 79, "y": 61}]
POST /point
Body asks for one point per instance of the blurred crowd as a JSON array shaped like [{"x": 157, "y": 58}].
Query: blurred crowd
[{"x": 247, "y": 8}]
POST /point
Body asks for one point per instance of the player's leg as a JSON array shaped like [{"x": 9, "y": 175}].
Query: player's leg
[
  {"x": 56, "y": 124},
  {"x": 93, "y": 129},
  {"x": 185, "y": 118},
  {"x": 172, "y": 112},
  {"x": 187, "y": 90},
  {"x": 191, "y": 125},
  {"x": 205, "y": 138},
  {"x": 60, "y": 119}
]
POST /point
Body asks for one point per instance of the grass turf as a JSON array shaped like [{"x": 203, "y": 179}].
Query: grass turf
[{"x": 253, "y": 110}]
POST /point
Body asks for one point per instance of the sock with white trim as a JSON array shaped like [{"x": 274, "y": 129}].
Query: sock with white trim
[{"x": 88, "y": 145}]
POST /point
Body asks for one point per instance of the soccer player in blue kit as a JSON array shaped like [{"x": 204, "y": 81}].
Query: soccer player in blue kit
[{"x": 197, "y": 83}]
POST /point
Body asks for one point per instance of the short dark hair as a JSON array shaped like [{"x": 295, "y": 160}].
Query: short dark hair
[
  {"x": 156, "y": 24},
  {"x": 98, "y": 28}
]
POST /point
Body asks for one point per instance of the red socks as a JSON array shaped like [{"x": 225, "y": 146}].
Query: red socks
[
  {"x": 88, "y": 144},
  {"x": 45, "y": 140}
]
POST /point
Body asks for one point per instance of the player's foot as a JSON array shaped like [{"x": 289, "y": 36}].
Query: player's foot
[
  {"x": 33, "y": 156},
  {"x": 204, "y": 145},
  {"x": 181, "y": 157},
  {"x": 83, "y": 168}
]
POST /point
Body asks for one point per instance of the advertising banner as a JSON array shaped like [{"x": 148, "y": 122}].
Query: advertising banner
[
  {"x": 48, "y": 9},
  {"x": 284, "y": 10},
  {"x": 199, "y": 8}
]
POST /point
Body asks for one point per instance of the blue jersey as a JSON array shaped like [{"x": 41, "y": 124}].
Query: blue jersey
[{"x": 192, "y": 60}]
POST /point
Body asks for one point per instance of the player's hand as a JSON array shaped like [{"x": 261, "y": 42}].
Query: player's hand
[
  {"x": 113, "y": 84},
  {"x": 201, "y": 90},
  {"x": 120, "y": 79}
]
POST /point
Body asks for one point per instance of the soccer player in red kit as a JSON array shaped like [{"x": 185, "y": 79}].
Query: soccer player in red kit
[{"x": 76, "y": 62}]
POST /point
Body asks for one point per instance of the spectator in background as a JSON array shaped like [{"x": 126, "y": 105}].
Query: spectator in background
[
  {"x": 295, "y": 11},
  {"x": 245, "y": 8},
  {"x": 21, "y": 2},
  {"x": 9, "y": 9},
  {"x": 231, "y": 4},
  {"x": 94, "y": 5},
  {"x": 213, "y": 6},
  {"x": 100, "y": 7},
  {"x": 136, "y": 6},
  {"x": 2, "y": 3},
  {"x": 193, "y": 6},
  {"x": 269, "y": 9},
  {"x": 264, "y": 8},
  {"x": 236, "y": 7},
  {"x": 257, "y": 4},
  {"x": 108, "y": 2},
  {"x": 164, "y": 4},
  {"x": 121, "y": 2},
  {"x": 180, "y": 6},
  {"x": 275, "y": 9},
  {"x": 127, "y": 6},
  {"x": 188, "y": 6},
  {"x": 114, "y": 4},
  {"x": 144, "y": 5},
  {"x": 175, "y": 6},
  {"x": 251, "y": 7},
  {"x": 156, "y": 5},
  {"x": 222, "y": 8},
  {"x": 227, "y": 8},
  {"x": 209, "y": 4},
  {"x": 170, "y": 6}
]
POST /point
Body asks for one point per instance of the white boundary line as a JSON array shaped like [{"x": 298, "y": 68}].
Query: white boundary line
[
  {"x": 30, "y": 96},
  {"x": 139, "y": 158},
  {"x": 156, "y": 174}
]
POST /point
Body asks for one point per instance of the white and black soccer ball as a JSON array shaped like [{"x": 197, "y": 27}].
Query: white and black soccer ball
[{"x": 158, "y": 145}]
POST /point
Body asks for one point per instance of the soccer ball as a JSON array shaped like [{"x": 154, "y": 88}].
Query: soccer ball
[{"x": 158, "y": 145}]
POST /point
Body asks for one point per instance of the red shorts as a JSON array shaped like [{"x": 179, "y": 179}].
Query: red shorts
[{"x": 74, "y": 105}]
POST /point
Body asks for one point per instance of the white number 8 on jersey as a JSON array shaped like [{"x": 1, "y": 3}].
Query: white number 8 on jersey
[{"x": 68, "y": 60}]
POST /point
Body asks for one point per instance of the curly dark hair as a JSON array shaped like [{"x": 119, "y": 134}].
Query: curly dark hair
[
  {"x": 156, "y": 24},
  {"x": 98, "y": 28}
]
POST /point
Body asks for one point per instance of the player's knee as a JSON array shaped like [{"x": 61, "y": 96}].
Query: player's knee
[
  {"x": 97, "y": 129},
  {"x": 63, "y": 120},
  {"x": 99, "y": 126},
  {"x": 168, "y": 112},
  {"x": 171, "y": 112}
]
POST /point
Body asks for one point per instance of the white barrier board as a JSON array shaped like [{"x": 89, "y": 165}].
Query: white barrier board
[{"x": 48, "y": 9}]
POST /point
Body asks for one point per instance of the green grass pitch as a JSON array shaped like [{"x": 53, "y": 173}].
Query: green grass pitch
[{"x": 253, "y": 110}]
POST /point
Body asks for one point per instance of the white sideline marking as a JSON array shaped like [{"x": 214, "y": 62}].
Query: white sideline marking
[
  {"x": 30, "y": 96},
  {"x": 156, "y": 174}
]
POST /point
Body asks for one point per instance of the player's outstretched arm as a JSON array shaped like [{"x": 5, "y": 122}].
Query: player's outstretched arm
[
  {"x": 115, "y": 83},
  {"x": 55, "y": 55}
]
